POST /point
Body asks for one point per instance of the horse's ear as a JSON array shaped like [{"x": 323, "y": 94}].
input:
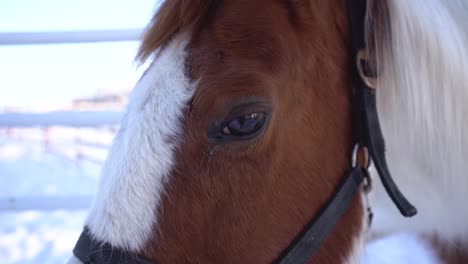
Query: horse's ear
[{"x": 172, "y": 17}]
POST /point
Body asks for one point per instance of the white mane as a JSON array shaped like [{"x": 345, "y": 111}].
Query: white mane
[{"x": 423, "y": 106}]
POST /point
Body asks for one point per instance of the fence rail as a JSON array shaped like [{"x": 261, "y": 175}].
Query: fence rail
[
  {"x": 61, "y": 118},
  {"x": 45, "y": 203},
  {"x": 26, "y": 38}
]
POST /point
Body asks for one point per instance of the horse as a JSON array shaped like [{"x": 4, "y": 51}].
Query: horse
[{"x": 242, "y": 127}]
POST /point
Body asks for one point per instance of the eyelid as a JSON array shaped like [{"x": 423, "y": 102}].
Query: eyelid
[
  {"x": 214, "y": 131},
  {"x": 245, "y": 109}
]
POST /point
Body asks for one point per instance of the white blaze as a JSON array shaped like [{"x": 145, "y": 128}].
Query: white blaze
[{"x": 142, "y": 156}]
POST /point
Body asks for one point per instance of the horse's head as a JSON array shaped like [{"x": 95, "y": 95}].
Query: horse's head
[{"x": 235, "y": 137}]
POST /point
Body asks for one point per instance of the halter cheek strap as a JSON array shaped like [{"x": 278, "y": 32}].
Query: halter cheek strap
[
  {"x": 367, "y": 132},
  {"x": 91, "y": 251}
]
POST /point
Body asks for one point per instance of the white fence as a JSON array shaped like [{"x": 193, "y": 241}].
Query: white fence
[
  {"x": 47, "y": 122},
  {"x": 22, "y": 38},
  {"x": 62, "y": 118}
]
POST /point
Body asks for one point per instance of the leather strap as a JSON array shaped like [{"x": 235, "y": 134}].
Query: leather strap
[
  {"x": 91, "y": 251},
  {"x": 367, "y": 130},
  {"x": 316, "y": 231}
]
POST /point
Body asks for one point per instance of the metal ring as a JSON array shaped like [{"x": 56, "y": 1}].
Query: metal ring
[
  {"x": 367, "y": 181},
  {"x": 363, "y": 55},
  {"x": 354, "y": 156}
]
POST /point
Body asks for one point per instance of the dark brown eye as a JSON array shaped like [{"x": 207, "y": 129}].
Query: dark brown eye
[{"x": 244, "y": 126}]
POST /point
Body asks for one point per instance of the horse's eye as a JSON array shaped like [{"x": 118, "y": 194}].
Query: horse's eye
[{"x": 245, "y": 126}]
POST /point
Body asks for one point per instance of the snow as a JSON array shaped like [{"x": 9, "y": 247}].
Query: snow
[
  {"x": 65, "y": 162},
  {"x": 38, "y": 166},
  {"x": 399, "y": 249},
  {"x": 39, "y": 237}
]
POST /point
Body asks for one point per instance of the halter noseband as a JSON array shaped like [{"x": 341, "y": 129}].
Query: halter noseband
[{"x": 367, "y": 136}]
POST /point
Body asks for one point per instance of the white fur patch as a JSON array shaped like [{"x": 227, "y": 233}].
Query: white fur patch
[
  {"x": 400, "y": 249},
  {"x": 423, "y": 105},
  {"x": 357, "y": 250},
  {"x": 124, "y": 212}
]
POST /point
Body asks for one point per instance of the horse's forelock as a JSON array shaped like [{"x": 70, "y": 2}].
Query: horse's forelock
[{"x": 173, "y": 17}]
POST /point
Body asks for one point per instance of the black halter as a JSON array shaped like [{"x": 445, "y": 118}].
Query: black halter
[{"x": 367, "y": 136}]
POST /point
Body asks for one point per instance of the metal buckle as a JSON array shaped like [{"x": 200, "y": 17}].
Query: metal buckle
[
  {"x": 363, "y": 57},
  {"x": 367, "y": 182},
  {"x": 354, "y": 156},
  {"x": 367, "y": 178}
]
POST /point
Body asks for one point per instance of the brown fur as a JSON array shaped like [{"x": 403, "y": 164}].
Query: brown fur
[
  {"x": 243, "y": 202},
  {"x": 450, "y": 252}
]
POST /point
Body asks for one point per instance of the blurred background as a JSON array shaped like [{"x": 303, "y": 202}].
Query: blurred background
[{"x": 66, "y": 68}]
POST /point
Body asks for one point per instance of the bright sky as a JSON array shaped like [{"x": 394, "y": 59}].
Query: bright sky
[{"x": 36, "y": 75}]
